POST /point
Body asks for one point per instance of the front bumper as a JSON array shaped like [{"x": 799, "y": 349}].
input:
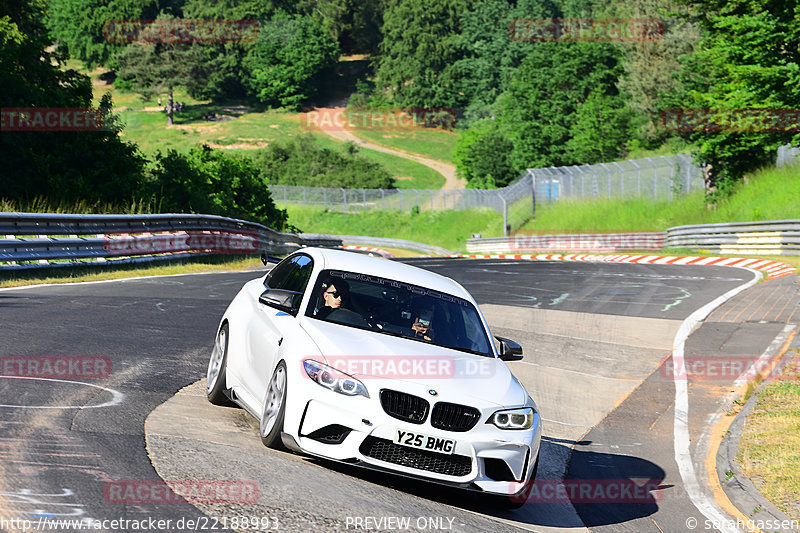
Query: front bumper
[{"x": 356, "y": 430}]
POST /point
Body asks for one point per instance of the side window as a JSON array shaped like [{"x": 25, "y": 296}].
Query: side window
[
  {"x": 298, "y": 278},
  {"x": 279, "y": 273},
  {"x": 292, "y": 275}
]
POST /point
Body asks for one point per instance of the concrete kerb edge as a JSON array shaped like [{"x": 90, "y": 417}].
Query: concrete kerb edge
[{"x": 740, "y": 489}]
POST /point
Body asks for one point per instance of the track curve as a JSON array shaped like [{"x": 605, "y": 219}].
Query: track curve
[{"x": 613, "y": 320}]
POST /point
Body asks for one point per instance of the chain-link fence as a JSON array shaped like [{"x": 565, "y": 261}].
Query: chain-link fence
[
  {"x": 659, "y": 178},
  {"x": 359, "y": 200}
]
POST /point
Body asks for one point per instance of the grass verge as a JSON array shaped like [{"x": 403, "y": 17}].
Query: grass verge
[
  {"x": 448, "y": 229},
  {"x": 19, "y": 278},
  {"x": 769, "y": 449}
]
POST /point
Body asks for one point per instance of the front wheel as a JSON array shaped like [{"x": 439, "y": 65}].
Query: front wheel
[
  {"x": 274, "y": 409},
  {"x": 215, "y": 376}
]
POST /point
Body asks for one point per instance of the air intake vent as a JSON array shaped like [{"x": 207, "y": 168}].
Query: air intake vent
[
  {"x": 333, "y": 434},
  {"x": 386, "y": 450}
]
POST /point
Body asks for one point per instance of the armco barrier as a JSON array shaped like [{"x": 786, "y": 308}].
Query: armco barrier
[
  {"x": 771, "y": 237},
  {"x": 62, "y": 240}
]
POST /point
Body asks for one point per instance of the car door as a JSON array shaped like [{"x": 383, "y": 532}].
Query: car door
[{"x": 271, "y": 322}]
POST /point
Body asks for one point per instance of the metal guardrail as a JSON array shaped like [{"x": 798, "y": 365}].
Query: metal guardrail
[
  {"x": 383, "y": 241},
  {"x": 770, "y": 237},
  {"x": 63, "y": 239}
]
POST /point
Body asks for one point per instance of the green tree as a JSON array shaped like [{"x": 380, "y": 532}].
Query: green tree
[
  {"x": 418, "y": 51},
  {"x": 86, "y": 27},
  {"x": 540, "y": 109},
  {"x": 487, "y": 54},
  {"x": 652, "y": 68},
  {"x": 749, "y": 57},
  {"x": 287, "y": 59},
  {"x": 226, "y": 75},
  {"x": 482, "y": 156},
  {"x": 602, "y": 127},
  {"x": 94, "y": 165},
  {"x": 354, "y": 24},
  {"x": 157, "y": 67}
]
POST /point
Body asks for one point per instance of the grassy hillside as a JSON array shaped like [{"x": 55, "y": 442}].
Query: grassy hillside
[
  {"x": 432, "y": 143},
  {"x": 239, "y": 128},
  {"x": 770, "y": 194}
]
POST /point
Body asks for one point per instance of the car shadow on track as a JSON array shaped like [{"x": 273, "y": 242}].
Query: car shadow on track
[{"x": 599, "y": 494}]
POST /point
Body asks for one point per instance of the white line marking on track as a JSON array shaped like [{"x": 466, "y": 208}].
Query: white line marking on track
[
  {"x": 683, "y": 455},
  {"x": 116, "y": 396}
]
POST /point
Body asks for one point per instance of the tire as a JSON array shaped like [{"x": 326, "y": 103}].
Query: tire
[
  {"x": 515, "y": 501},
  {"x": 215, "y": 375},
  {"x": 272, "y": 414}
]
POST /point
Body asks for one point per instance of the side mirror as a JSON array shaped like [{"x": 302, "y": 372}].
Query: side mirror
[
  {"x": 509, "y": 350},
  {"x": 279, "y": 299},
  {"x": 266, "y": 258}
]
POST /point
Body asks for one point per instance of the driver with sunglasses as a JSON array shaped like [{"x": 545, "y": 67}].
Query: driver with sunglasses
[
  {"x": 333, "y": 296},
  {"x": 336, "y": 304}
]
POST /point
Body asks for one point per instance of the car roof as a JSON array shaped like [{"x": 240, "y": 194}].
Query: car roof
[{"x": 328, "y": 258}]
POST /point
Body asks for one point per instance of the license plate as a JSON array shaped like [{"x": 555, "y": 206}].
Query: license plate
[{"x": 413, "y": 439}]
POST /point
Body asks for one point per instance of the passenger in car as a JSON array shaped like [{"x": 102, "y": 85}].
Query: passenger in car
[{"x": 422, "y": 324}]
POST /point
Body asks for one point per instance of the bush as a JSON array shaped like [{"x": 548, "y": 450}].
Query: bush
[
  {"x": 212, "y": 182},
  {"x": 302, "y": 162},
  {"x": 482, "y": 156}
]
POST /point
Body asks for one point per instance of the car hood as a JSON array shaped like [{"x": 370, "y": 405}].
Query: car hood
[{"x": 381, "y": 360}]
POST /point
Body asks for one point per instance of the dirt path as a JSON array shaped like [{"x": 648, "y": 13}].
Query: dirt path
[{"x": 445, "y": 169}]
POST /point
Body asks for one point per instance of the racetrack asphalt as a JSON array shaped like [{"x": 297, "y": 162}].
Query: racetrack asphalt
[{"x": 157, "y": 334}]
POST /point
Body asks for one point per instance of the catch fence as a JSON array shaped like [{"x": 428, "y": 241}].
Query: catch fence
[{"x": 659, "y": 178}]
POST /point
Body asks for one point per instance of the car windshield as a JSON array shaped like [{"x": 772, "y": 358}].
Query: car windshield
[{"x": 399, "y": 309}]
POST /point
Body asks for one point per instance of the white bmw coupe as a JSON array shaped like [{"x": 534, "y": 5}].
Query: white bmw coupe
[{"x": 379, "y": 364}]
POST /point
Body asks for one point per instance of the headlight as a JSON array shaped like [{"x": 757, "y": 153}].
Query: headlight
[
  {"x": 332, "y": 379},
  {"x": 521, "y": 418}
]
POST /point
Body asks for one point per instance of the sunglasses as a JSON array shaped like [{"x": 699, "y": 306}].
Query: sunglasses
[{"x": 335, "y": 294}]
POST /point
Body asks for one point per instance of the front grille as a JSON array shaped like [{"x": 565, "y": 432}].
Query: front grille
[
  {"x": 386, "y": 450},
  {"x": 454, "y": 417},
  {"x": 404, "y": 406},
  {"x": 333, "y": 434}
]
